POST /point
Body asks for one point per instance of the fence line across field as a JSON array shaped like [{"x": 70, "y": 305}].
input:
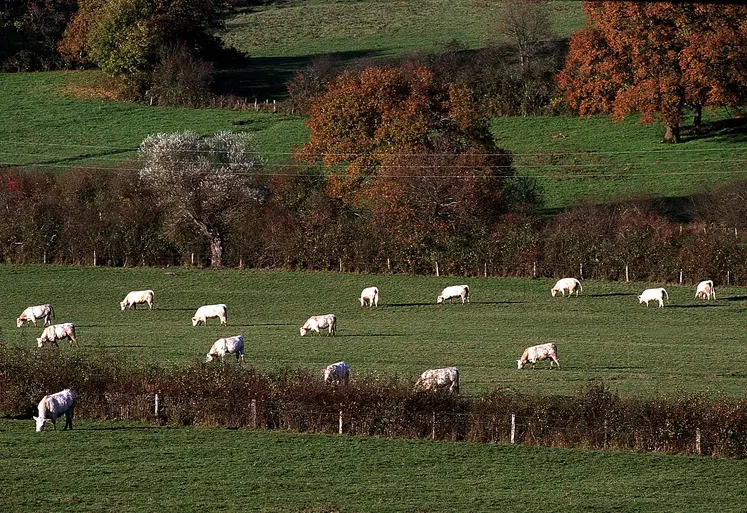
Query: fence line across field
[
  {"x": 512, "y": 430},
  {"x": 484, "y": 270}
]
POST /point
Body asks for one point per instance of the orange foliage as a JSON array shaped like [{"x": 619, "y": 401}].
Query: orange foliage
[{"x": 657, "y": 58}]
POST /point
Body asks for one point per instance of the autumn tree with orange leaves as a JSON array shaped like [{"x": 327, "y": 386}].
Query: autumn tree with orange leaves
[
  {"x": 412, "y": 153},
  {"x": 659, "y": 59}
]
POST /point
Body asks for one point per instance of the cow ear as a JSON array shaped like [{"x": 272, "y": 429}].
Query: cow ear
[{"x": 36, "y": 418}]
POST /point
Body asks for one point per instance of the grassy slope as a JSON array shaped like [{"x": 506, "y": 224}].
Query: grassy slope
[
  {"x": 116, "y": 467},
  {"x": 604, "y": 334},
  {"x": 376, "y": 29}
]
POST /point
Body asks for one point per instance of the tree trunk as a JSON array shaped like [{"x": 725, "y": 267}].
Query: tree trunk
[
  {"x": 216, "y": 250},
  {"x": 698, "y": 119},
  {"x": 672, "y": 135}
]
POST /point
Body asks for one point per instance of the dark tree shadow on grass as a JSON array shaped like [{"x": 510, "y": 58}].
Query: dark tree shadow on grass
[
  {"x": 705, "y": 305},
  {"x": 727, "y": 131}
]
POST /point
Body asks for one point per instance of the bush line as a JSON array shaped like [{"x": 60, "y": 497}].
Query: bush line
[{"x": 109, "y": 386}]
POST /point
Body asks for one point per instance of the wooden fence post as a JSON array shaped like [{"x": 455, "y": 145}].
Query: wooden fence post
[
  {"x": 697, "y": 441},
  {"x": 253, "y": 410}
]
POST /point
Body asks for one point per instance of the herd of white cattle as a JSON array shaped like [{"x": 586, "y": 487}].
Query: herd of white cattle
[{"x": 53, "y": 406}]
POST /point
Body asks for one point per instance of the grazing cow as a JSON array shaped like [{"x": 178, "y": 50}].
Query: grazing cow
[
  {"x": 54, "y": 405},
  {"x": 228, "y": 345},
  {"x": 337, "y": 373},
  {"x": 537, "y": 353},
  {"x": 34, "y": 313},
  {"x": 433, "y": 379},
  {"x": 653, "y": 295},
  {"x": 137, "y": 297},
  {"x": 320, "y": 322},
  {"x": 370, "y": 297},
  {"x": 569, "y": 284},
  {"x": 210, "y": 312},
  {"x": 705, "y": 290},
  {"x": 58, "y": 332},
  {"x": 452, "y": 292}
]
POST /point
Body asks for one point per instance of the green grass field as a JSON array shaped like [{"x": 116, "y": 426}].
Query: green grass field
[
  {"x": 604, "y": 334},
  {"x": 123, "y": 468}
]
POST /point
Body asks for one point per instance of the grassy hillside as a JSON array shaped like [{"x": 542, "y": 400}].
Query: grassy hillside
[
  {"x": 377, "y": 29},
  {"x": 56, "y": 120},
  {"x": 129, "y": 468},
  {"x": 604, "y": 334}
]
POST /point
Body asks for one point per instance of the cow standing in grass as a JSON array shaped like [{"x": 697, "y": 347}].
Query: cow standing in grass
[
  {"x": 434, "y": 379},
  {"x": 337, "y": 373},
  {"x": 320, "y": 322},
  {"x": 58, "y": 332},
  {"x": 34, "y": 313},
  {"x": 450, "y": 293},
  {"x": 370, "y": 296},
  {"x": 228, "y": 345},
  {"x": 570, "y": 284},
  {"x": 535, "y": 354},
  {"x": 210, "y": 312},
  {"x": 137, "y": 297},
  {"x": 53, "y": 406},
  {"x": 705, "y": 290},
  {"x": 653, "y": 295}
]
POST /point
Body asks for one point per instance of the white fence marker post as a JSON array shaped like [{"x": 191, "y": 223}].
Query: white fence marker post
[
  {"x": 680, "y": 276},
  {"x": 513, "y": 427},
  {"x": 433, "y": 431},
  {"x": 697, "y": 441},
  {"x": 156, "y": 409},
  {"x": 437, "y": 268},
  {"x": 340, "y": 423},
  {"x": 626, "y": 274}
]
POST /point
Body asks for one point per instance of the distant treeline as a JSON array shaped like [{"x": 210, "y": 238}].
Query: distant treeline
[
  {"x": 238, "y": 396},
  {"x": 110, "y": 216}
]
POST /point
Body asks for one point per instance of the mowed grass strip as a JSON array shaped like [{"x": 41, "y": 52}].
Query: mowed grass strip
[
  {"x": 690, "y": 346},
  {"x": 129, "y": 468}
]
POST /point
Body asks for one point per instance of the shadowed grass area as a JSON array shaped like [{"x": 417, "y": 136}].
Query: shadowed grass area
[{"x": 123, "y": 467}]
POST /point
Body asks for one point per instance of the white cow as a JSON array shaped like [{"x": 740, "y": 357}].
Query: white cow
[
  {"x": 210, "y": 312},
  {"x": 454, "y": 291},
  {"x": 370, "y": 296},
  {"x": 337, "y": 373},
  {"x": 228, "y": 345},
  {"x": 54, "y": 405},
  {"x": 58, "y": 332},
  {"x": 535, "y": 354},
  {"x": 137, "y": 297},
  {"x": 320, "y": 322},
  {"x": 433, "y": 379},
  {"x": 653, "y": 295},
  {"x": 569, "y": 284},
  {"x": 705, "y": 290},
  {"x": 34, "y": 313}
]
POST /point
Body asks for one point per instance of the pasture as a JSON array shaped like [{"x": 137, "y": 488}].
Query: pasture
[
  {"x": 132, "y": 467},
  {"x": 690, "y": 346}
]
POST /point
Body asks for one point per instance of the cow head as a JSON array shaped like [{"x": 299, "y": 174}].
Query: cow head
[
  {"x": 554, "y": 291},
  {"x": 195, "y": 321},
  {"x": 40, "y": 423},
  {"x": 123, "y": 305},
  {"x": 19, "y": 322},
  {"x": 304, "y": 331},
  {"x": 209, "y": 358},
  {"x": 440, "y": 299},
  {"x": 40, "y": 342},
  {"x": 521, "y": 364},
  {"x": 640, "y": 300}
]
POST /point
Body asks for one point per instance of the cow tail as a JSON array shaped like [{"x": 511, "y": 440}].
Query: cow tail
[
  {"x": 666, "y": 294},
  {"x": 51, "y": 311}
]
